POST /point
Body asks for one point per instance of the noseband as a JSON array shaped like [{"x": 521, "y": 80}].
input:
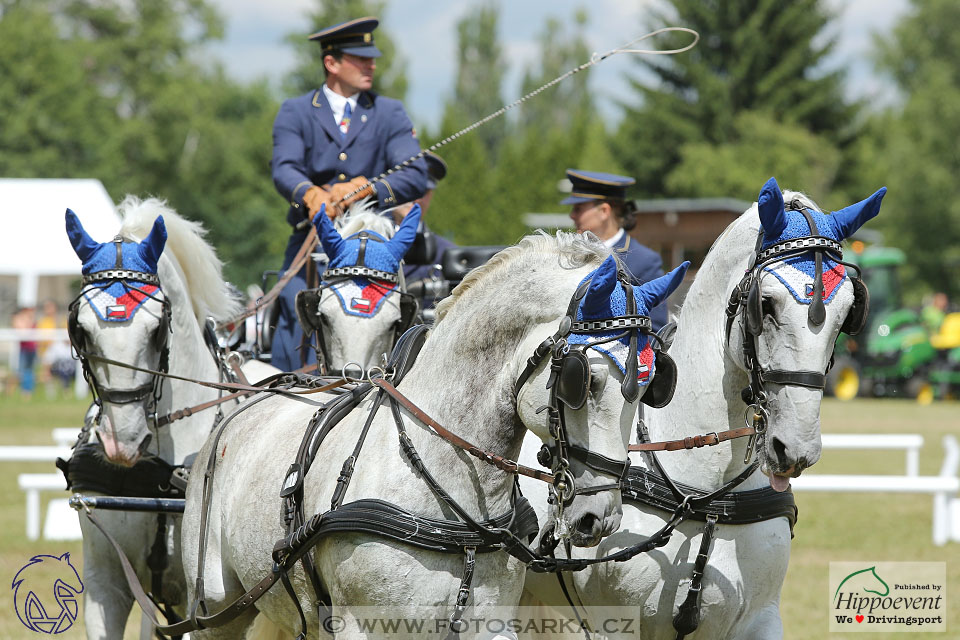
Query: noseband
[
  {"x": 569, "y": 383},
  {"x": 746, "y": 300},
  {"x": 149, "y": 393}
]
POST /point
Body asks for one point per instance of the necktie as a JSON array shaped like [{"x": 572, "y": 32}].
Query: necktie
[{"x": 345, "y": 120}]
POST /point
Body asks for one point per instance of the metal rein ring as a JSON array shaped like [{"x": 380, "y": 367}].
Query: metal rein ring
[{"x": 348, "y": 379}]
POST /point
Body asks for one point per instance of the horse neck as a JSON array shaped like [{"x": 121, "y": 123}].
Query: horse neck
[
  {"x": 464, "y": 379},
  {"x": 709, "y": 380},
  {"x": 190, "y": 358}
]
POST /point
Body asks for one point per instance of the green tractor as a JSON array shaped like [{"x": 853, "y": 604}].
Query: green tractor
[{"x": 893, "y": 355}]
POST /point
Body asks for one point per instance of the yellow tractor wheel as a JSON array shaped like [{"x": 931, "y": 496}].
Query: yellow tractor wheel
[{"x": 847, "y": 383}]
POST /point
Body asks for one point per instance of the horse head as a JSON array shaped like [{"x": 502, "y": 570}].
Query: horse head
[
  {"x": 121, "y": 288},
  {"x": 360, "y": 308},
  {"x": 595, "y": 379},
  {"x": 794, "y": 301}
]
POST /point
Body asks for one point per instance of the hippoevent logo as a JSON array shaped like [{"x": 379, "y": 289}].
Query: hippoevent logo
[
  {"x": 45, "y": 594},
  {"x": 888, "y": 596}
]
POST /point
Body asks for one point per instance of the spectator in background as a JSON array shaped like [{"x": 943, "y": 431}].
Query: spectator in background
[
  {"x": 26, "y": 318},
  {"x": 58, "y": 366}
]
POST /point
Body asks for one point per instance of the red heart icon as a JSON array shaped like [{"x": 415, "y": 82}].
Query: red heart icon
[{"x": 859, "y": 618}]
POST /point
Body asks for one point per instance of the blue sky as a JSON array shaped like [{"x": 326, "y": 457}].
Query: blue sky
[{"x": 425, "y": 32}]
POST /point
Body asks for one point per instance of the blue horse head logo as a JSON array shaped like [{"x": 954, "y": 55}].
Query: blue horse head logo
[{"x": 45, "y": 592}]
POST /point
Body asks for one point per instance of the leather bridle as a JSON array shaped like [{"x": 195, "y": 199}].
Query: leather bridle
[
  {"x": 308, "y": 302},
  {"x": 149, "y": 393},
  {"x": 746, "y": 301},
  {"x": 569, "y": 384}
]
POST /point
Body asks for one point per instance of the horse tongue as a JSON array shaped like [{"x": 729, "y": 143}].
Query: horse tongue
[{"x": 779, "y": 483}]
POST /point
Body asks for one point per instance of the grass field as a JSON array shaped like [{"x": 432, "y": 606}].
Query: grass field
[{"x": 832, "y": 527}]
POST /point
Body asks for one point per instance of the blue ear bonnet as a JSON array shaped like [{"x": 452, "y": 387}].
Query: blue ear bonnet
[
  {"x": 797, "y": 227},
  {"x": 118, "y": 301},
  {"x": 618, "y": 350},
  {"x": 797, "y": 273},
  {"x": 105, "y": 257},
  {"x": 376, "y": 256}
]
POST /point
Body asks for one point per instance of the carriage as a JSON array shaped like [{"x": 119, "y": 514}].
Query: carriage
[{"x": 424, "y": 504}]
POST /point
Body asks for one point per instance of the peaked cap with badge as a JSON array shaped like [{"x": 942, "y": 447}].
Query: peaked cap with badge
[
  {"x": 639, "y": 262},
  {"x": 587, "y": 186},
  {"x": 354, "y": 37}
]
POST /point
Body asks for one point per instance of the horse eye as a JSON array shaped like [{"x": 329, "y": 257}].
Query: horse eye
[{"x": 767, "y": 307}]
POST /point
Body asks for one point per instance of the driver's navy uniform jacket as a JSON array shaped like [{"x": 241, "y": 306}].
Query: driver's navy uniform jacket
[
  {"x": 308, "y": 149},
  {"x": 642, "y": 265}
]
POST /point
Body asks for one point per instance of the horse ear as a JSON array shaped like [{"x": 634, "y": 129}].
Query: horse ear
[
  {"x": 83, "y": 244},
  {"x": 152, "y": 246},
  {"x": 659, "y": 289},
  {"x": 846, "y": 221},
  {"x": 601, "y": 288},
  {"x": 773, "y": 218},
  {"x": 330, "y": 238},
  {"x": 65, "y": 557},
  {"x": 406, "y": 233}
]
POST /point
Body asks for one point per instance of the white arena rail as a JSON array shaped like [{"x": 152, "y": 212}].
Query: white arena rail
[
  {"x": 61, "y": 522},
  {"x": 910, "y": 442},
  {"x": 944, "y": 487}
]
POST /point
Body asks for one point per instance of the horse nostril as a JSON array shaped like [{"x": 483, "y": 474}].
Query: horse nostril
[
  {"x": 780, "y": 450},
  {"x": 588, "y": 525}
]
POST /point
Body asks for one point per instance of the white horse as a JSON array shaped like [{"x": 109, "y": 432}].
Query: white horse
[
  {"x": 122, "y": 317},
  {"x": 747, "y": 562},
  {"x": 361, "y": 306},
  {"x": 464, "y": 378}
]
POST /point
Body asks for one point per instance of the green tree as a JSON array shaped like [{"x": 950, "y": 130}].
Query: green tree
[
  {"x": 465, "y": 207},
  {"x": 557, "y": 129},
  {"x": 114, "y": 89},
  {"x": 754, "y": 55},
  {"x": 42, "y": 134},
  {"x": 480, "y": 71},
  {"x": 738, "y": 168},
  {"x": 390, "y": 79},
  {"x": 917, "y": 150}
]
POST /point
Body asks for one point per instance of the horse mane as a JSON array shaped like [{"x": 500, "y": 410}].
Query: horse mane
[
  {"x": 362, "y": 215},
  {"x": 804, "y": 199},
  {"x": 577, "y": 249},
  {"x": 209, "y": 294}
]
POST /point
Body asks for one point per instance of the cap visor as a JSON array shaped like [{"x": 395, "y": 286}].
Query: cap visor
[
  {"x": 577, "y": 200},
  {"x": 367, "y": 51}
]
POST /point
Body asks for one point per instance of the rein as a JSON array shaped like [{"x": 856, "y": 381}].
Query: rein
[{"x": 497, "y": 461}]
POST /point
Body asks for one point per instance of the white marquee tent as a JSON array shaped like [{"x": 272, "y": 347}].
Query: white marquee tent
[{"x": 34, "y": 242}]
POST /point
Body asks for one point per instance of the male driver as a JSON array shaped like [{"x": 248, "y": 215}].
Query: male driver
[
  {"x": 327, "y": 144},
  {"x": 600, "y": 206}
]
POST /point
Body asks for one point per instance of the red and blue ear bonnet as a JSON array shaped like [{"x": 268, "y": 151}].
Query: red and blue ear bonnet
[
  {"x": 606, "y": 298},
  {"x": 782, "y": 224},
  {"x": 118, "y": 276},
  {"x": 365, "y": 266}
]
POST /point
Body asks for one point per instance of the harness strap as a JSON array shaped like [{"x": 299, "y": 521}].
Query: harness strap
[
  {"x": 811, "y": 379},
  {"x": 688, "y": 616},
  {"x": 228, "y": 386},
  {"x": 499, "y": 462},
  {"x": 694, "y": 442},
  {"x": 457, "y": 624}
]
